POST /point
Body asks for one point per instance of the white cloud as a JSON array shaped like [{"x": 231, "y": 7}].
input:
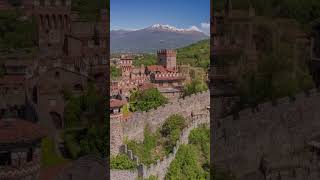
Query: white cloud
[{"x": 205, "y": 27}]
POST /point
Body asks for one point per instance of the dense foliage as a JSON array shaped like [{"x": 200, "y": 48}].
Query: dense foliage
[
  {"x": 122, "y": 162},
  {"x": 147, "y": 150},
  {"x": 16, "y": 34},
  {"x": 278, "y": 75},
  {"x": 186, "y": 165},
  {"x": 197, "y": 54},
  {"x": 303, "y": 11},
  {"x": 146, "y": 100},
  {"x": 91, "y": 140},
  {"x": 194, "y": 86},
  {"x": 86, "y": 131},
  {"x": 145, "y": 59},
  {"x": 89, "y": 10},
  {"x": 115, "y": 72},
  {"x": 171, "y": 131},
  {"x": 48, "y": 155},
  {"x": 157, "y": 145},
  {"x": 193, "y": 160}
]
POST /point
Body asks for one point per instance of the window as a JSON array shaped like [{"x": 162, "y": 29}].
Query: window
[
  {"x": 57, "y": 75},
  {"x": 30, "y": 155},
  {"x": 35, "y": 95},
  {"x": 5, "y": 158}
]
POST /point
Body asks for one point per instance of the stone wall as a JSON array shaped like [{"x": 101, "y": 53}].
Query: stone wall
[
  {"x": 123, "y": 174},
  {"x": 160, "y": 168},
  {"x": 133, "y": 127},
  {"x": 277, "y": 133}
]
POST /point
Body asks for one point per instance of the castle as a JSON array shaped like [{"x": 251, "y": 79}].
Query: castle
[
  {"x": 71, "y": 53},
  {"x": 165, "y": 76},
  {"x": 273, "y": 140}
]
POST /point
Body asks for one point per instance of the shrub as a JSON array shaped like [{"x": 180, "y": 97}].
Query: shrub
[{"x": 122, "y": 162}]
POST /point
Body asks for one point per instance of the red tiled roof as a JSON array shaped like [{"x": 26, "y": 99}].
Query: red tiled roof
[
  {"x": 114, "y": 103},
  {"x": 16, "y": 130},
  {"x": 158, "y": 68}
]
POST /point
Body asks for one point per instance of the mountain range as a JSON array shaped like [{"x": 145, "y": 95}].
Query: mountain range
[{"x": 153, "y": 38}]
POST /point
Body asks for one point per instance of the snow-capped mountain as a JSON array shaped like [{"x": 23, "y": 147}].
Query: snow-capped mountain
[
  {"x": 167, "y": 27},
  {"x": 154, "y": 37}
]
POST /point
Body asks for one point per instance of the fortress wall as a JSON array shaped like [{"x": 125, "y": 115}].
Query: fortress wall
[
  {"x": 123, "y": 174},
  {"x": 133, "y": 128},
  {"x": 277, "y": 132},
  {"x": 159, "y": 169}
]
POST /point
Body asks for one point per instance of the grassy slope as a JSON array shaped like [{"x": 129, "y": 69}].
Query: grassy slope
[{"x": 197, "y": 54}]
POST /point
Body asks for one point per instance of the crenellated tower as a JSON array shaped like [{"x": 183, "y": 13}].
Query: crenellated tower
[
  {"x": 167, "y": 58},
  {"x": 53, "y": 19}
]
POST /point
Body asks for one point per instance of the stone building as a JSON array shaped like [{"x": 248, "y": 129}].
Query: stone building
[
  {"x": 20, "y": 151},
  {"x": 45, "y": 92},
  {"x": 167, "y": 58}
]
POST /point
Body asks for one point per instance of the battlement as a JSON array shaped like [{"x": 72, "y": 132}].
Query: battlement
[
  {"x": 52, "y": 3},
  {"x": 167, "y": 52},
  {"x": 133, "y": 127},
  {"x": 278, "y": 103}
]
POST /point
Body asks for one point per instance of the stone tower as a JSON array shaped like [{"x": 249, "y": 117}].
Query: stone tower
[
  {"x": 53, "y": 19},
  {"x": 167, "y": 58}
]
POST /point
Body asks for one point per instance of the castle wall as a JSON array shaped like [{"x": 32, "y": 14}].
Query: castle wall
[
  {"x": 278, "y": 133},
  {"x": 133, "y": 127},
  {"x": 160, "y": 168}
]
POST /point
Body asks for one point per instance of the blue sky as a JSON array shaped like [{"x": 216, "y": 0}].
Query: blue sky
[{"x": 137, "y": 14}]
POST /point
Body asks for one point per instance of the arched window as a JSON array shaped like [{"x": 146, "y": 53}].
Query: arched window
[
  {"x": 55, "y": 23},
  {"x": 30, "y": 155},
  {"x": 56, "y": 118},
  {"x": 35, "y": 95},
  {"x": 57, "y": 75},
  {"x": 5, "y": 158}
]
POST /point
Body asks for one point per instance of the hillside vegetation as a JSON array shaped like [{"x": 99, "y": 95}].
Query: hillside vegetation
[
  {"x": 89, "y": 10},
  {"x": 303, "y": 11},
  {"x": 197, "y": 54},
  {"x": 16, "y": 35}
]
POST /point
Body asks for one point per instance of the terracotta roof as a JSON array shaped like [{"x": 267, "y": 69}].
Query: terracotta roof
[
  {"x": 16, "y": 130},
  {"x": 155, "y": 68},
  {"x": 115, "y": 103}
]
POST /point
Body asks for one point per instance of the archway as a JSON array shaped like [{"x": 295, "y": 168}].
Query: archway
[{"x": 56, "y": 119}]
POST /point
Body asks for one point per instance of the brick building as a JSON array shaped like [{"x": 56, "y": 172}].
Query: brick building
[{"x": 20, "y": 151}]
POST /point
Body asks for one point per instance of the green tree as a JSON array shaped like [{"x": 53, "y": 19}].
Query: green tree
[
  {"x": 115, "y": 72},
  {"x": 171, "y": 130},
  {"x": 185, "y": 165},
  {"x": 122, "y": 162},
  {"x": 194, "y": 86},
  {"x": 147, "y": 99}
]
